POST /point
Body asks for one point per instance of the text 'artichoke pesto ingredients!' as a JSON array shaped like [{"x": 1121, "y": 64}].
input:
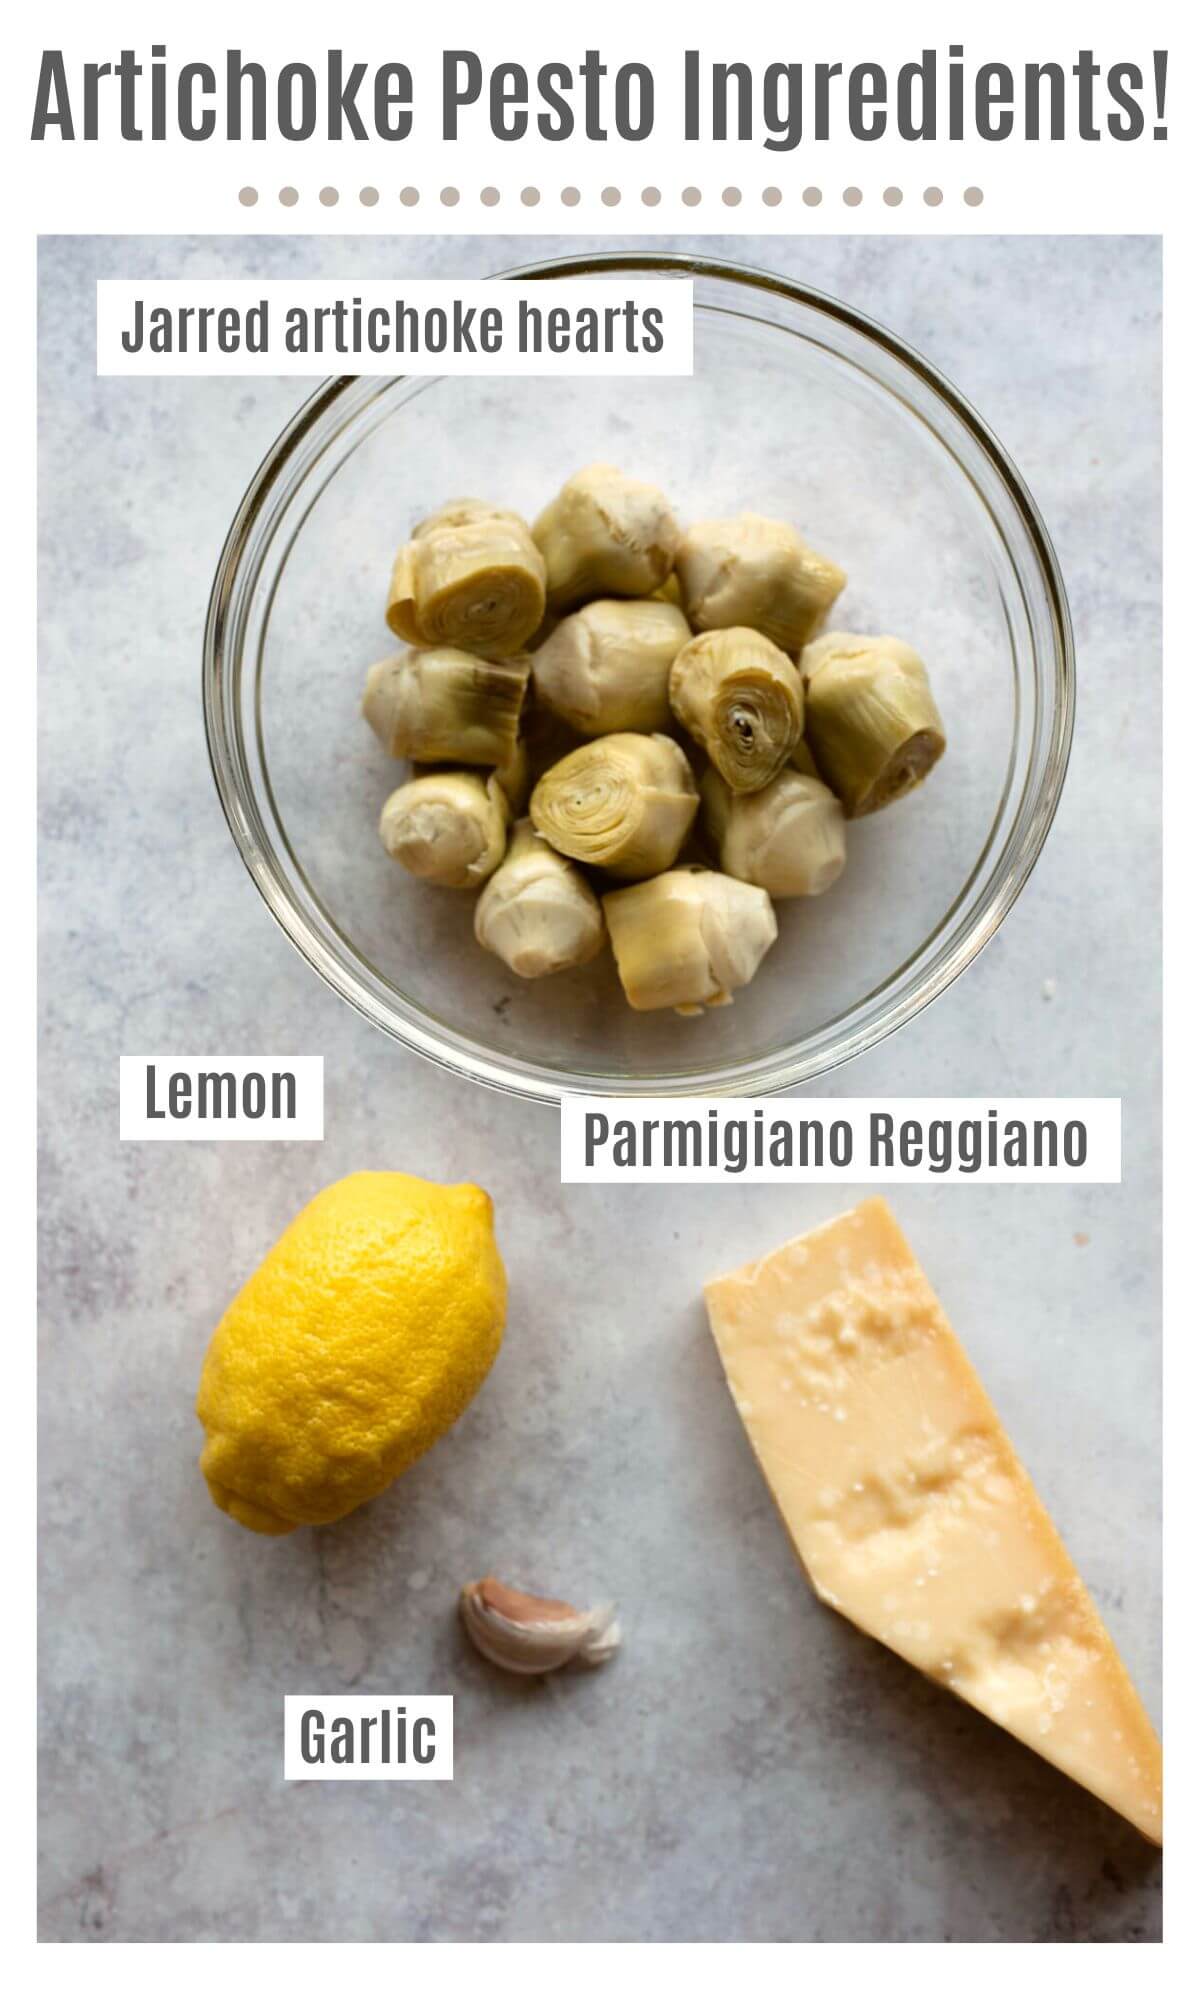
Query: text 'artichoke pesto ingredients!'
[{"x": 727, "y": 739}]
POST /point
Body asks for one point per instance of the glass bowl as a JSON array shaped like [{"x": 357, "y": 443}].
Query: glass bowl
[{"x": 799, "y": 407}]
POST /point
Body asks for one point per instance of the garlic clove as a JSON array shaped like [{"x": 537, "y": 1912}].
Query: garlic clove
[{"x": 535, "y": 1635}]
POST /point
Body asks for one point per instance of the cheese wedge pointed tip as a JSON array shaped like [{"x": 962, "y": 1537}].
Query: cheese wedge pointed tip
[{"x": 908, "y": 1506}]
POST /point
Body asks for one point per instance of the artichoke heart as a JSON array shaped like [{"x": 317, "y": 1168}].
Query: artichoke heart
[
  {"x": 872, "y": 722},
  {"x": 742, "y": 700},
  {"x": 464, "y": 513},
  {"x": 448, "y": 827},
  {"x": 606, "y": 668},
  {"x": 624, "y": 803},
  {"x": 757, "y": 572},
  {"x": 470, "y": 578},
  {"x": 605, "y": 534},
  {"x": 802, "y": 759},
  {"x": 515, "y": 776},
  {"x": 689, "y": 938},
  {"x": 446, "y": 706},
  {"x": 789, "y": 839},
  {"x": 538, "y": 912}
]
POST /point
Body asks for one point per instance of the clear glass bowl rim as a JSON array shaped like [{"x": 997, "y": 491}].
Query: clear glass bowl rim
[{"x": 790, "y": 1065}]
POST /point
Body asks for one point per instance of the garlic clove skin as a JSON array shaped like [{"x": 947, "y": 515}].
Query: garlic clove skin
[{"x": 535, "y": 1635}]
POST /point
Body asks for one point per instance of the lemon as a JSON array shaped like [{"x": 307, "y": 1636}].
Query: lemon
[{"x": 360, "y": 1338}]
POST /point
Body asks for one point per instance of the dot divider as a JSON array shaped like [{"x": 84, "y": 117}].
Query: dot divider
[{"x": 612, "y": 197}]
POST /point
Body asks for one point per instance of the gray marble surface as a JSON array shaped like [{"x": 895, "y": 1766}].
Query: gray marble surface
[{"x": 750, "y": 1767}]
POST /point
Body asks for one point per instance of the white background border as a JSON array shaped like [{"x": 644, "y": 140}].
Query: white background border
[{"x": 1144, "y": 187}]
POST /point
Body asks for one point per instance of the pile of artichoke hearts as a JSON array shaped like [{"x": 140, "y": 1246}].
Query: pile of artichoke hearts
[{"x": 584, "y": 697}]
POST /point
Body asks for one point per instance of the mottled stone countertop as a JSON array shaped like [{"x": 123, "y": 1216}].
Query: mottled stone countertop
[{"x": 750, "y": 1767}]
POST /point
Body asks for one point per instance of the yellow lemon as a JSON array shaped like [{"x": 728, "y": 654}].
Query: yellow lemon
[{"x": 360, "y": 1338}]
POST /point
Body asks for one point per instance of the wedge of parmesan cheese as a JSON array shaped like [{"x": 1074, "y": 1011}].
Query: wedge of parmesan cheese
[{"x": 908, "y": 1506}]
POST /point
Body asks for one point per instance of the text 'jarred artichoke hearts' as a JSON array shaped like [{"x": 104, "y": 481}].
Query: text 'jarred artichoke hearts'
[
  {"x": 538, "y": 912},
  {"x": 871, "y": 721},
  {"x": 470, "y": 577},
  {"x": 789, "y": 839},
  {"x": 605, "y": 668},
  {"x": 623, "y": 803},
  {"x": 605, "y": 535},
  {"x": 446, "y": 706},
  {"x": 689, "y": 938},
  {"x": 757, "y": 572},
  {"x": 448, "y": 827},
  {"x": 742, "y": 700}
]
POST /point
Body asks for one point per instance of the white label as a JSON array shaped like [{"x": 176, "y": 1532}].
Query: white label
[
  {"x": 368, "y": 1736},
  {"x": 1034, "y": 1139},
  {"x": 222, "y": 1097},
  {"x": 311, "y": 326}
]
